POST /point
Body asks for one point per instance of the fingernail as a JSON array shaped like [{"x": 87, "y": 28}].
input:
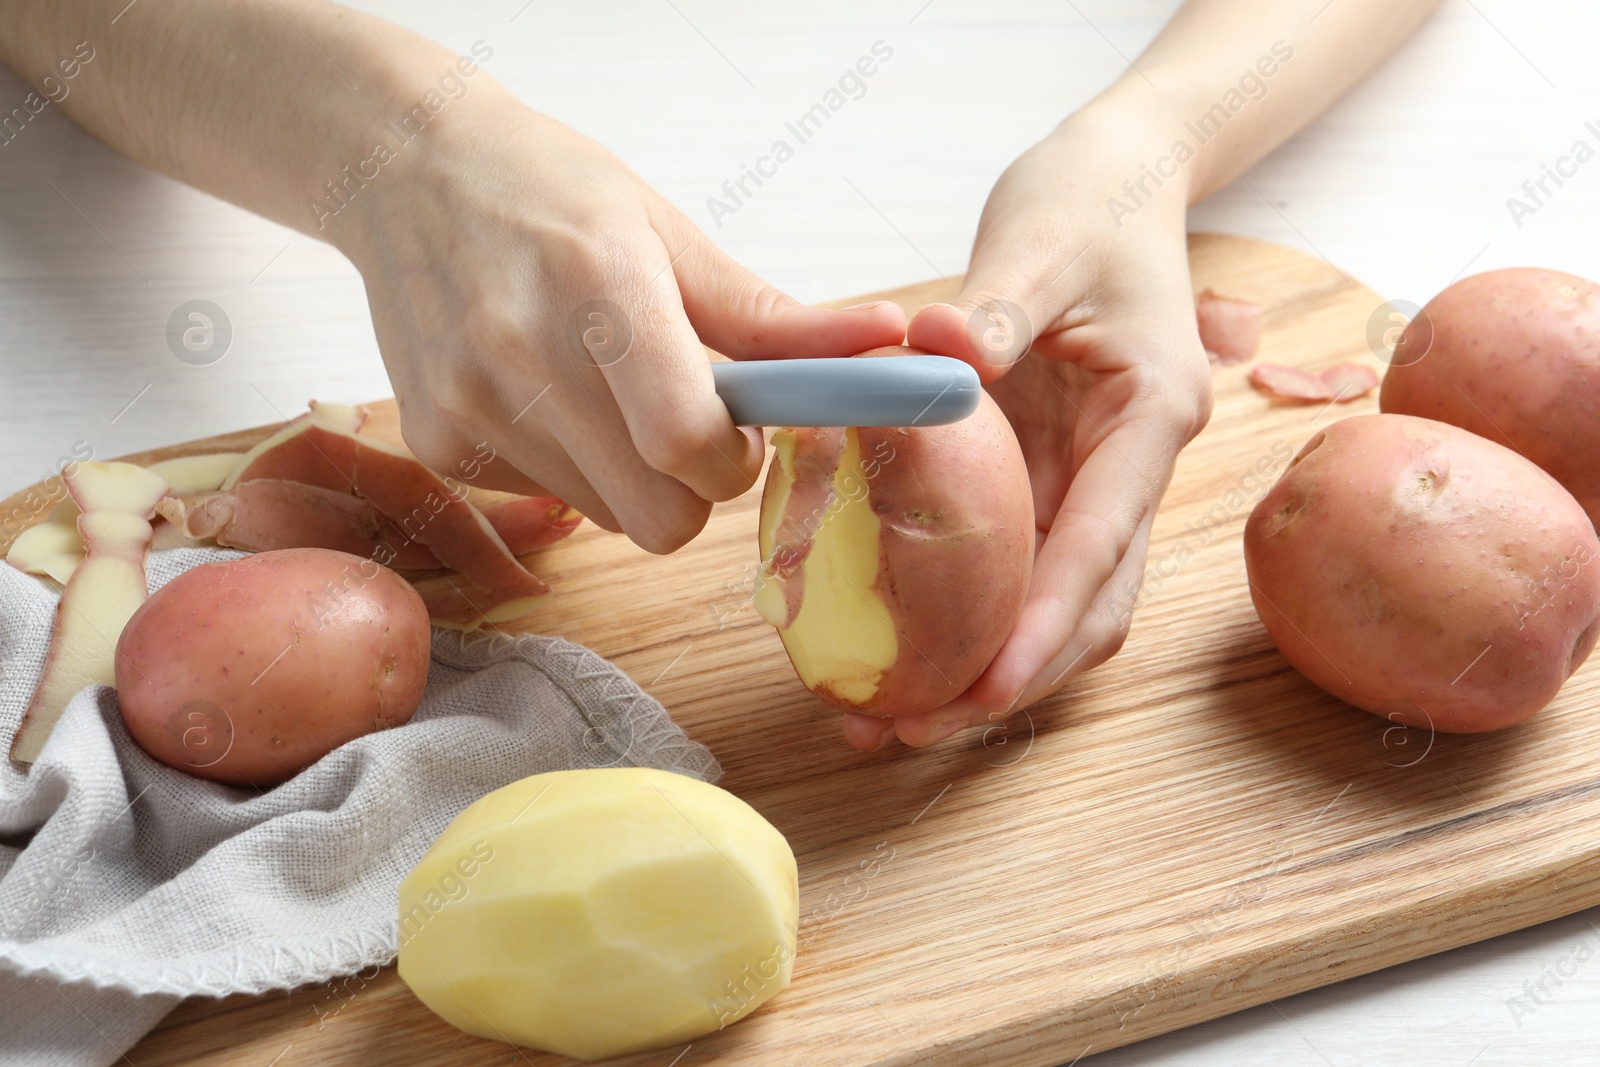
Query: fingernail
[
  {"x": 943, "y": 729},
  {"x": 887, "y": 739},
  {"x": 868, "y": 306}
]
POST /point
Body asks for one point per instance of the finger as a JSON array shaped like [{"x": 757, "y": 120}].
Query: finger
[
  {"x": 1111, "y": 498},
  {"x": 743, "y": 317},
  {"x": 496, "y": 473},
  {"x": 1094, "y": 642},
  {"x": 991, "y": 333},
  {"x": 1006, "y": 303},
  {"x": 658, "y": 372},
  {"x": 921, "y": 731},
  {"x": 527, "y": 462},
  {"x": 556, "y": 471},
  {"x": 1101, "y": 633},
  {"x": 930, "y": 728},
  {"x": 658, "y": 512},
  {"x": 867, "y": 732}
]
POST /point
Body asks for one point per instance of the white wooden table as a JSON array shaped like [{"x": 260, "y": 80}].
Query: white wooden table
[{"x": 1403, "y": 185}]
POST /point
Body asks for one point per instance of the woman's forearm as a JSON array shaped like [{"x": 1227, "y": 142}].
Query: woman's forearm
[
  {"x": 1227, "y": 81},
  {"x": 279, "y": 106}
]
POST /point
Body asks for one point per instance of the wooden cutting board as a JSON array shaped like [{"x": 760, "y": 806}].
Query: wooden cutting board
[{"x": 1189, "y": 830}]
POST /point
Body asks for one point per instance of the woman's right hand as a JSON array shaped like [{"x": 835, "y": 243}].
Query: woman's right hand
[{"x": 533, "y": 296}]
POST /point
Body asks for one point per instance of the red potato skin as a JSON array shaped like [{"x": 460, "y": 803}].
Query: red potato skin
[
  {"x": 354, "y": 638},
  {"x": 326, "y": 460},
  {"x": 421, "y": 506},
  {"x": 1230, "y": 330},
  {"x": 452, "y": 600},
  {"x": 526, "y": 523},
  {"x": 266, "y": 514},
  {"x": 1425, "y": 574},
  {"x": 262, "y": 514},
  {"x": 955, "y": 549},
  {"x": 954, "y": 564},
  {"x": 1514, "y": 357}
]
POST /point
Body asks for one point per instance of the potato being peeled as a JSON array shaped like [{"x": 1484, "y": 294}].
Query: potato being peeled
[
  {"x": 1425, "y": 574},
  {"x": 895, "y": 560},
  {"x": 250, "y": 670},
  {"x": 1512, "y": 355}
]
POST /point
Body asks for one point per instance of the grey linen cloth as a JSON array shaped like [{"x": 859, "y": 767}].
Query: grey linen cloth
[{"x": 126, "y": 886}]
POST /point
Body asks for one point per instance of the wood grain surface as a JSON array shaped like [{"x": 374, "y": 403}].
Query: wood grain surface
[{"x": 1188, "y": 830}]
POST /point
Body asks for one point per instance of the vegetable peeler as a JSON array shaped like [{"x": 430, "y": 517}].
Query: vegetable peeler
[{"x": 882, "y": 391}]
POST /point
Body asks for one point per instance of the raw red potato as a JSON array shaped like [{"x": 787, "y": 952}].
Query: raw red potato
[
  {"x": 1342, "y": 382},
  {"x": 895, "y": 561},
  {"x": 1514, "y": 356},
  {"x": 116, "y": 501},
  {"x": 318, "y": 507},
  {"x": 1425, "y": 574},
  {"x": 263, "y": 514},
  {"x": 1230, "y": 329},
  {"x": 250, "y": 670}
]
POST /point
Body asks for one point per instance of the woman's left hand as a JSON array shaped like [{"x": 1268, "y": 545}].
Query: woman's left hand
[{"x": 1114, "y": 384}]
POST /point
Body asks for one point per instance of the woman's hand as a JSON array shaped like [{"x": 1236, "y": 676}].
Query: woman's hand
[
  {"x": 531, "y": 293},
  {"x": 1082, "y": 248},
  {"x": 1114, "y": 384}
]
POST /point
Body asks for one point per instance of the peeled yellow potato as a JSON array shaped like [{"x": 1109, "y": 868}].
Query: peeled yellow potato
[{"x": 599, "y": 912}]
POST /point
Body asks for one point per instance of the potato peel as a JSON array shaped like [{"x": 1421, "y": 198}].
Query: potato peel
[
  {"x": 268, "y": 514},
  {"x": 1349, "y": 381},
  {"x": 1341, "y": 383},
  {"x": 116, "y": 501},
  {"x": 1289, "y": 383},
  {"x": 1230, "y": 329}
]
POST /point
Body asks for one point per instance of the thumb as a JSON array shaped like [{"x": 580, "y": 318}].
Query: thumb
[
  {"x": 743, "y": 317},
  {"x": 991, "y": 324}
]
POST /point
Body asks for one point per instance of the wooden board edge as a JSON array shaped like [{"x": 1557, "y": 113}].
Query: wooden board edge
[{"x": 1389, "y": 938}]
